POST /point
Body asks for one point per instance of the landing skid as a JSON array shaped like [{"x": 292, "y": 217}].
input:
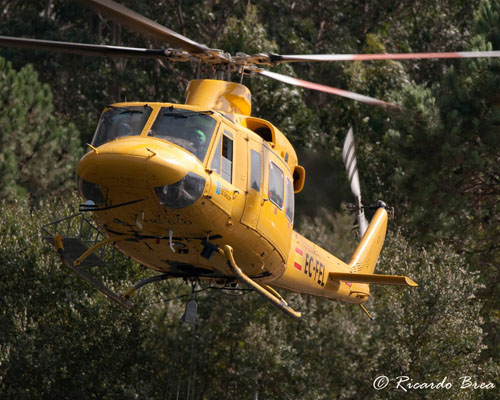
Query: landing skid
[
  {"x": 82, "y": 245},
  {"x": 265, "y": 291},
  {"x": 58, "y": 241}
]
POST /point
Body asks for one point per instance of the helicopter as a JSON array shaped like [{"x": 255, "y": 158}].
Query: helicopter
[{"x": 204, "y": 190}]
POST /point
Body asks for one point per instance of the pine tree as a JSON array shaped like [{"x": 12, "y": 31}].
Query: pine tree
[{"x": 37, "y": 152}]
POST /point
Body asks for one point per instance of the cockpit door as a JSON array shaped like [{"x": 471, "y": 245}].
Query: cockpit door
[
  {"x": 251, "y": 212},
  {"x": 223, "y": 169}
]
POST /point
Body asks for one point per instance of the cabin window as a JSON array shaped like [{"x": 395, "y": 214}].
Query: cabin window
[
  {"x": 290, "y": 201},
  {"x": 121, "y": 121},
  {"x": 275, "y": 189},
  {"x": 255, "y": 162},
  {"x": 222, "y": 161},
  {"x": 227, "y": 159},
  {"x": 188, "y": 129}
]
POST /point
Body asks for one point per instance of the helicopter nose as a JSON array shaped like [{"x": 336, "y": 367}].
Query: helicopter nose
[{"x": 137, "y": 160}]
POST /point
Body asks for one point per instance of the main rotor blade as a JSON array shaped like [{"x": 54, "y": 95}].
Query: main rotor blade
[
  {"x": 276, "y": 58},
  {"x": 82, "y": 48},
  {"x": 143, "y": 25},
  {"x": 327, "y": 89}
]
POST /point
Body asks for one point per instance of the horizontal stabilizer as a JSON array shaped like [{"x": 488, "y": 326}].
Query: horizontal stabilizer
[{"x": 372, "y": 278}]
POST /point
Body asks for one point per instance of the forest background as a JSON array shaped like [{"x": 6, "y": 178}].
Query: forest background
[{"x": 438, "y": 164}]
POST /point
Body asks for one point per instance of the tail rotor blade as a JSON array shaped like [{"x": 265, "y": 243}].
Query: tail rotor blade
[
  {"x": 362, "y": 222},
  {"x": 351, "y": 165}
]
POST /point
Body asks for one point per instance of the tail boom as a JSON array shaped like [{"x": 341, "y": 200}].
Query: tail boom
[{"x": 313, "y": 270}]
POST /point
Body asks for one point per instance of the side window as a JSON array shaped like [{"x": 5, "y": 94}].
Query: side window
[
  {"x": 215, "y": 166},
  {"x": 222, "y": 162},
  {"x": 255, "y": 170},
  {"x": 227, "y": 158},
  {"x": 276, "y": 189},
  {"x": 290, "y": 201}
]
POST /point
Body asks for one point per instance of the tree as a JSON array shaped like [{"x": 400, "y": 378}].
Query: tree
[
  {"x": 60, "y": 338},
  {"x": 37, "y": 152},
  {"x": 442, "y": 169}
]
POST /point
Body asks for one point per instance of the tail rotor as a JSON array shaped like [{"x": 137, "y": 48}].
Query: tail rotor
[{"x": 351, "y": 165}]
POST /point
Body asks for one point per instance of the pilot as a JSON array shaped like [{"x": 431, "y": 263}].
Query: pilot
[
  {"x": 199, "y": 139},
  {"x": 123, "y": 129}
]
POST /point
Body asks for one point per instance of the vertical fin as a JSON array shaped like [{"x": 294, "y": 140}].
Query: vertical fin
[{"x": 366, "y": 255}]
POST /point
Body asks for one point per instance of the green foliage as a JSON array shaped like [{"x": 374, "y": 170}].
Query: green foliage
[
  {"x": 437, "y": 163},
  {"x": 440, "y": 318},
  {"x": 335, "y": 351},
  {"x": 37, "y": 152},
  {"x": 59, "y": 338},
  {"x": 63, "y": 339},
  {"x": 486, "y": 22}
]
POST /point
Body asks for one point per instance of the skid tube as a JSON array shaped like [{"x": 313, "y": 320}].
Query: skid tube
[
  {"x": 265, "y": 291},
  {"x": 73, "y": 265}
]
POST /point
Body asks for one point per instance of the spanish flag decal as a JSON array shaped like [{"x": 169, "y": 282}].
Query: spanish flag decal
[{"x": 299, "y": 258}]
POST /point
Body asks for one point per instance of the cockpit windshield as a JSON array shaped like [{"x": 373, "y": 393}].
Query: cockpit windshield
[
  {"x": 121, "y": 121},
  {"x": 190, "y": 130}
]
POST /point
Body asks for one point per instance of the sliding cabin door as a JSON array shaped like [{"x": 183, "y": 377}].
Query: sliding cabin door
[
  {"x": 275, "y": 222},
  {"x": 254, "y": 184}
]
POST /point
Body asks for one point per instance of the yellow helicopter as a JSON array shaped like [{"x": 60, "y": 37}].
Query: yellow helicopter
[{"x": 203, "y": 190}]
